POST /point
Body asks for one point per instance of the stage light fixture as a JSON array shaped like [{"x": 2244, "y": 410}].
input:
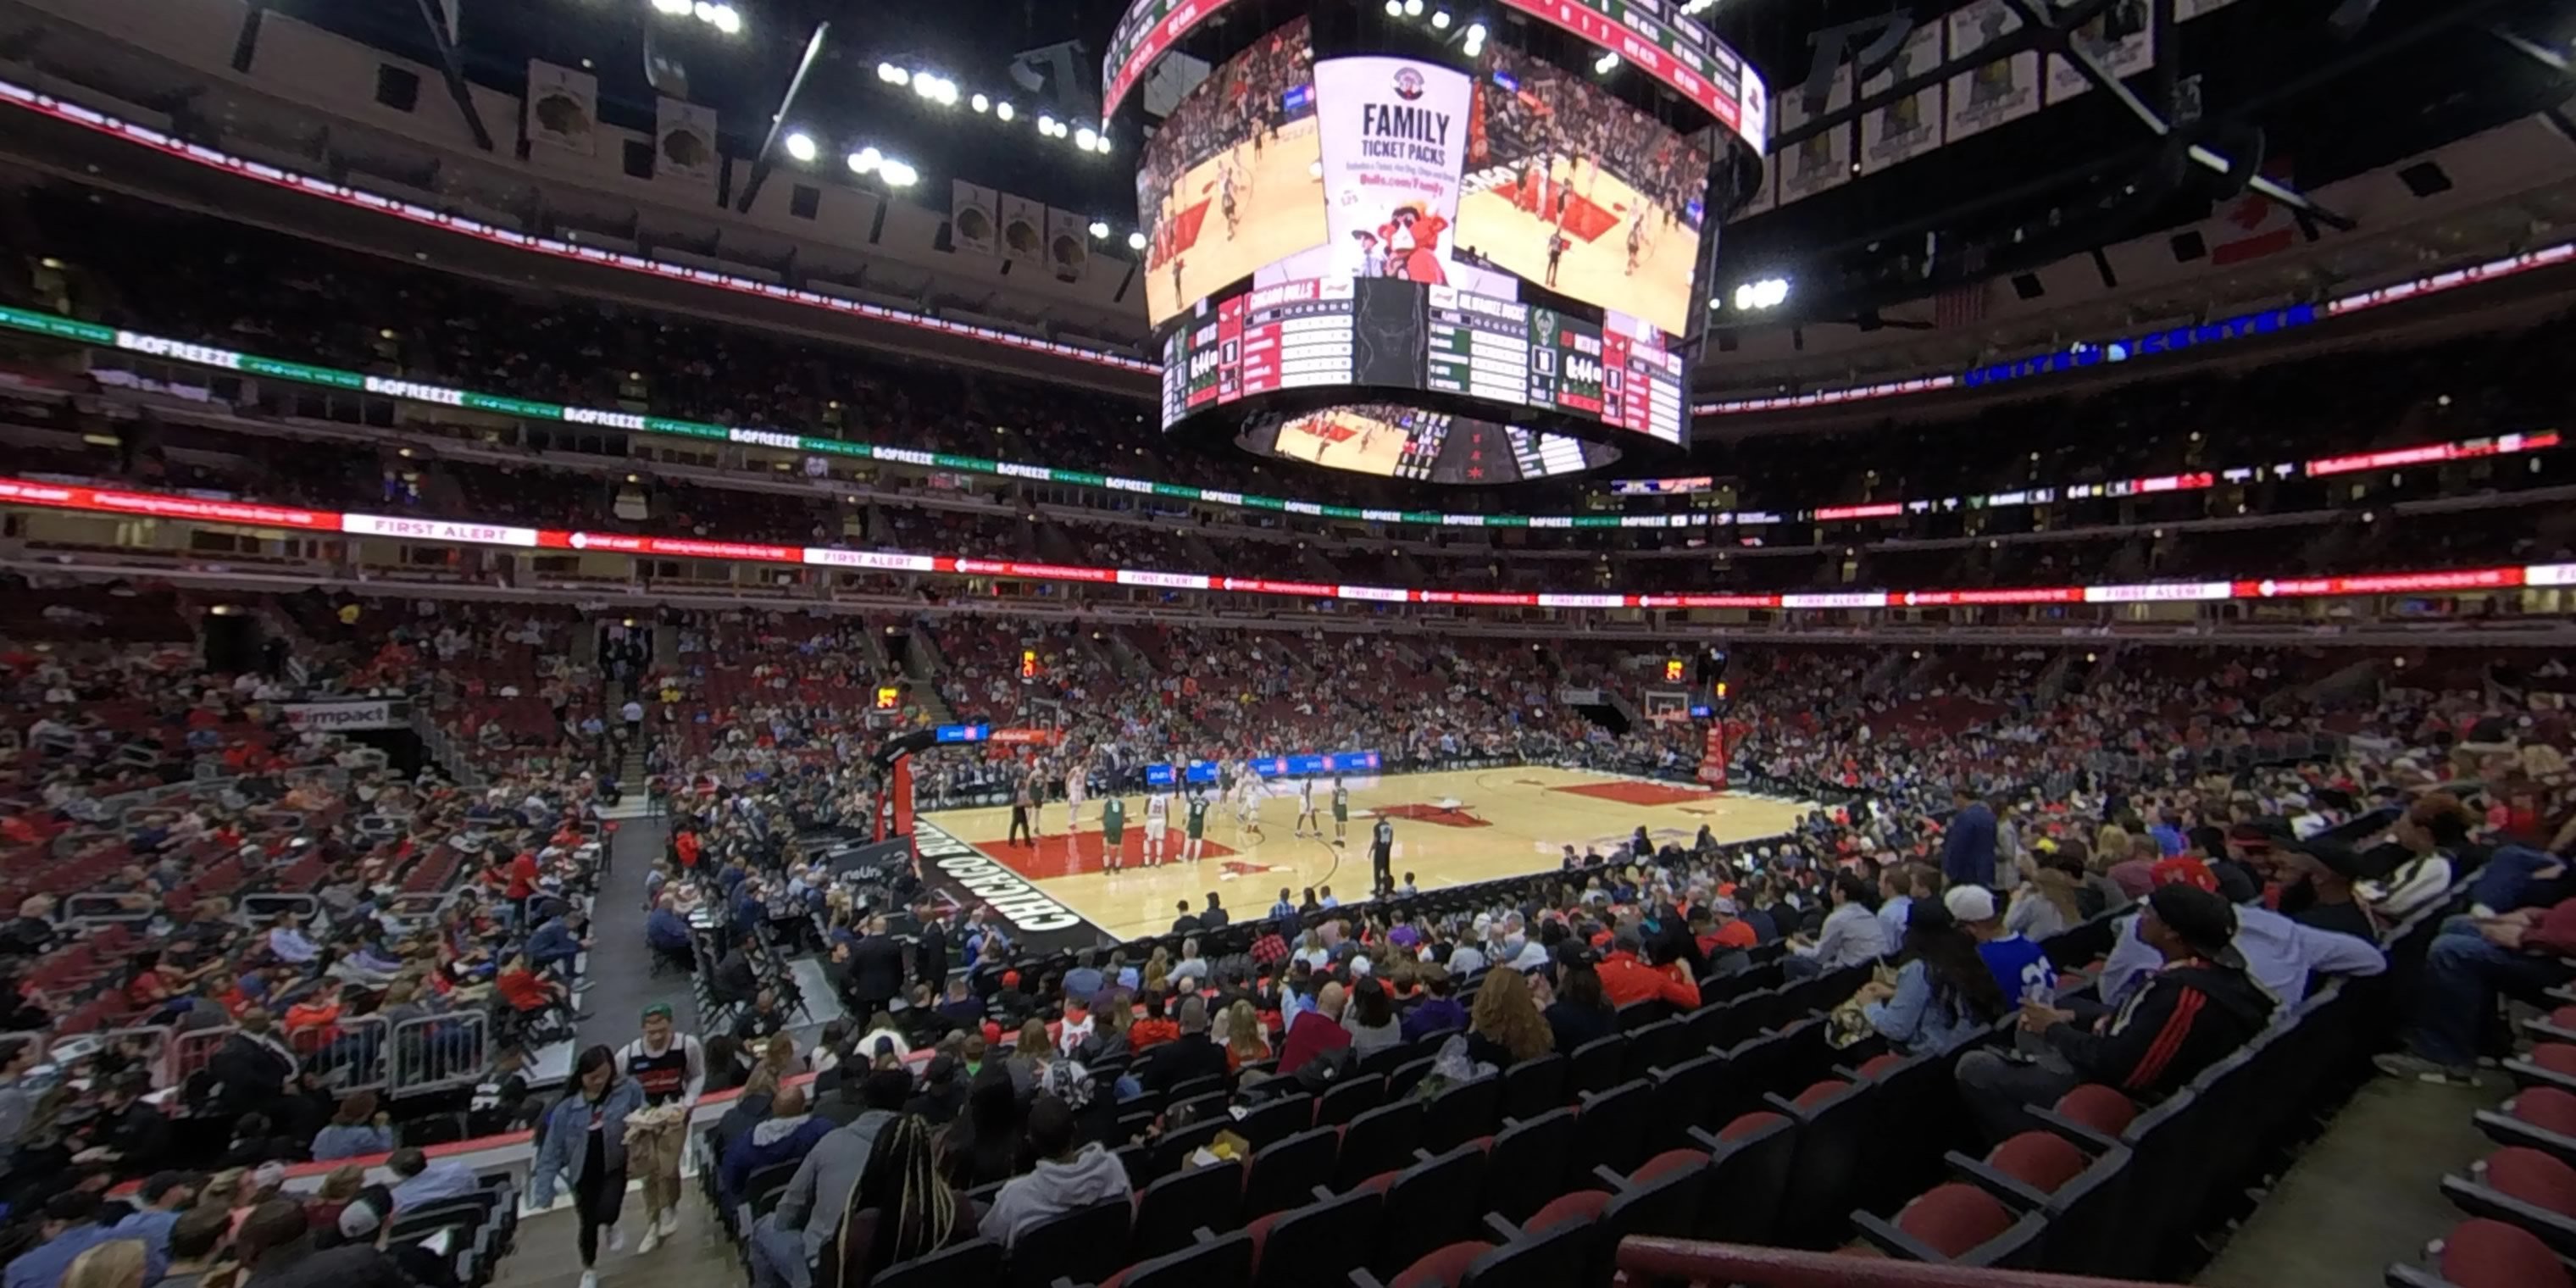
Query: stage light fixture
[
  {"x": 672, "y": 8},
  {"x": 1768, "y": 293},
  {"x": 1395, "y": 8},
  {"x": 865, "y": 160},
  {"x": 1046, "y": 124},
  {"x": 1004, "y": 110},
  {"x": 893, "y": 74},
  {"x": 1440, "y": 20},
  {"x": 726, "y": 19},
  {"x": 1413, "y": 8},
  {"x": 1135, "y": 241},
  {"x": 1605, "y": 64},
  {"x": 980, "y": 103},
  {"x": 1100, "y": 228},
  {"x": 1086, "y": 138},
  {"x": 800, "y": 145},
  {"x": 898, "y": 175},
  {"x": 1475, "y": 33}
]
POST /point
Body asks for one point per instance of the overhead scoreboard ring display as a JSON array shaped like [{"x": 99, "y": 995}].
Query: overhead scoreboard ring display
[{"x": 1377, "y": 246}]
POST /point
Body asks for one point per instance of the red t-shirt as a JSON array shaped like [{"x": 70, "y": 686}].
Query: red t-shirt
[
  {"x": 522, "y": 990},
  {"x": 523, "y": 875}
]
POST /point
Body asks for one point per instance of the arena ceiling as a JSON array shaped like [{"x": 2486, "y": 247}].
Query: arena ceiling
[{"x": 2302, "y": 92}]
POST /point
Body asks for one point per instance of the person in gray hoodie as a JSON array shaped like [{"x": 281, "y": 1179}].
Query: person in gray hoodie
[
  {"x": 785, "y": 1242},
  {"x": 1066, "y": 1178}
]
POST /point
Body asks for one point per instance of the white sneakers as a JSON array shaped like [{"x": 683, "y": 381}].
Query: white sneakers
[
  {"x": 616, "y": 1239},
  {"x": 590, "y": 1279},
  {"x": 652, "y": 1237},
  {"x": 670, "y": 1223}
]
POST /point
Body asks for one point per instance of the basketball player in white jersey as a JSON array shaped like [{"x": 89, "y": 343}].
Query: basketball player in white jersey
[
  {"x": 1306, "y": 807},
  {"x": 1158, "y": 820},
  {"x": 1077, "y": 786},
  {"x": 1247, "y": 812}
]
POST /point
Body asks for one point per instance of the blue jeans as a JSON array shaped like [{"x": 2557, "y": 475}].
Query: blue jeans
[
  {"x": 2462, "y": 974},
  {"x": 2510, "y": 880},
  {"x": 778, "y": 1256}
]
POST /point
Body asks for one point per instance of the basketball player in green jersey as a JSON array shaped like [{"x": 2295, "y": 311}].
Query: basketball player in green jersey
[
  {"x": 1341, "y": 809},
  {"x": 1195, "y": 827},
  {"x": 1113, "y": 831}
]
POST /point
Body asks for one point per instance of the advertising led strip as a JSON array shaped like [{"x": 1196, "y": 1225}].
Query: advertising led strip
[
  {"x": 1145, "y": 33},
  {"x": 97, "y": 500},
  {"x": 63, "y": 328}
]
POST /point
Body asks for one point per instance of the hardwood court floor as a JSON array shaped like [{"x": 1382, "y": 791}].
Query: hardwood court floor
[{"x": 1509, "y": 822}]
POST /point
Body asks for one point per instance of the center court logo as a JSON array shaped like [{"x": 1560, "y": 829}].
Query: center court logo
[{"x": 1408, "y": 84}]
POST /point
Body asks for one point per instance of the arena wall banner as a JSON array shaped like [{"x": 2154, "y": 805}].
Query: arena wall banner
[
  {"x": 562, "y": 108},
  {"x": 1023, "y": 230},
  {"x": 684, "y": 140},
  {"x": 2006, "y": 89},
  {"x": 974, "y": 219},
  {"x": 1820, "y": 162},
  {"x": 1910, "y": 126},
  {"x": 1394, "y": 139},
  {"x": 970, "y": 879},
  {"x": 337, "y": 717},
  {"x": 2122, "y": 58}
]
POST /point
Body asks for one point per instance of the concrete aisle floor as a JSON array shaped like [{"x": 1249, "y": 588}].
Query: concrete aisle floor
[
  {"x": 2367, "y": 1193},
  {"x": 621, "y": 982},
  {"x": 701, "y": 1256}
]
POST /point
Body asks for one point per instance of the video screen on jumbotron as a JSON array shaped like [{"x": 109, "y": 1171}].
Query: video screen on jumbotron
[
  {"x": 1570, "y": 188},
  {"x": 1505, "y": 233},
  {"x": 1389, "y": 440},
  {"x": 1228, "y": 184}
]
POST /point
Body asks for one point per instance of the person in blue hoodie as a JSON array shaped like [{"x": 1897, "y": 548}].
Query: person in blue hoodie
[
  {"x": 582, "y": 1144},
  {"x": 787, "y": 1135},
  {"x": 557, "y": 942}
]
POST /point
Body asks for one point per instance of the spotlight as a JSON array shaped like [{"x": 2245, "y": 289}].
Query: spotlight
[
  {"x": 894, "y": 74},
  {"x": 1046, "y": 124},
  {"x": 1395, "y": 8},
  {"x": 1605, "y": 64},
  {"x": 1440, "y": 20},
  {"x": 1475, "y": 33},
  {"x": 1100, "y": 228},
  {"x": 1086, "y": 138},
  {"x": 864, "y": 160},
  {"x": 925, "y": 84},
  {"x": 800, "y": 145},
  {"x": 1135, "y": 241},
  {"x": 1412, "y": 8},
  {"x": 898, "y": 175},
  {"x": 980, "y": 103},
  {"x": 1005, "y": 111},
  {"x": 1314, "y": 169},
  {"x": 1102, "y": 147},
  {"x": 727, "y": 19},
  {"x": 672, "y": 8},
  {"x": 1769, "y": 293}
]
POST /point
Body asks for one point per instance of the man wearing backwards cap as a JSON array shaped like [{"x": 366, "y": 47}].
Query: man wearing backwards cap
[{"x": 2194, "y": 1010}]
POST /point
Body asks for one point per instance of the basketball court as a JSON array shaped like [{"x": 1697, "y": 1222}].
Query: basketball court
[
  {"x": 1279, "y": 211},
  {"x": 1502, "y": 224},
  {"x": 1452, "y": 828},
  {"x": 1344, "y": 442}
]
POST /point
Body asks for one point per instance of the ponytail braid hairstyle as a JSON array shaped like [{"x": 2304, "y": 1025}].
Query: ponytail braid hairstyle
[{"x": 913, "y": 1210}]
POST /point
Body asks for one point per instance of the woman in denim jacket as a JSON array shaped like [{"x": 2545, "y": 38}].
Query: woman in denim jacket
[{"x": 582, "y": 1143}]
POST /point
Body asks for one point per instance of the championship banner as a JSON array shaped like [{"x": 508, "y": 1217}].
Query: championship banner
[
  {"x": 1068, "y": 244},
  {"x": 1819, "y": 162},
  {"x": 336, "y": 717},
  {"x": 562, "y": 108},
  {"x": 684, "y": 140},
  {"x": 2006, "y": 89},
  {"x": 1910, "y": 126},
  {"x": 974, "y": 219},
  {"x": 1394, "y": 140},
  {"x": 1712, "y": 756},
  {"x": 2122, "y": 58},
  {"x": 1023, "y": 229}
]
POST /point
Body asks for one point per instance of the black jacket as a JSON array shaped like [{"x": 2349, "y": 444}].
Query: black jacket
[
  {"x": 876, "y": 970},
  {"x": 298, "y": 1265},
  {"x": 930, "y": 955},
  {"x": 250, "y": 1072},
  {"x": 1191, "y": 1055},
  {"x": 2189, "y": 1016}
]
